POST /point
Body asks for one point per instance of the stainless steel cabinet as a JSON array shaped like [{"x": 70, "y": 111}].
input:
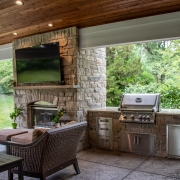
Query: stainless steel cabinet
[
  {"x": 104, "y": 132},
  {"x": 135, "y": 142},
  {"x": 173, "y": 140}
]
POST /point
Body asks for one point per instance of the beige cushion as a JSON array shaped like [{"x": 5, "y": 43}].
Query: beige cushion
[
  {"x": 6, "y": 134},
  {"x": 29, "y": 137},
  {"x": 25, "y": 138},
  {"x": 37, "y": 133},
  {"x": 69, "y": 123},
  {"x": 32, "y": 135}
]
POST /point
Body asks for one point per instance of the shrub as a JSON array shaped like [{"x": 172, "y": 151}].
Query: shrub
[{"x": 170, "y": 95}]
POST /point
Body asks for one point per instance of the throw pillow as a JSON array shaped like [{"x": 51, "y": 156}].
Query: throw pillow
[{"x": 37, "y": 133}]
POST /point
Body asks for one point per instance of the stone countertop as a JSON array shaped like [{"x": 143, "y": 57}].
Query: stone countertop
[
  {"x": 169, "y": 112},
  {"x": 105, "y": 109},
  {"x": 115, "y": 109}
]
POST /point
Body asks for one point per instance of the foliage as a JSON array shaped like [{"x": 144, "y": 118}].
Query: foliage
[
  {"x": 170, "y": 95},
  {"x": 58, "y": 115},
  {"x": 156, "y": 72},
  {"x": 6, "y": 106},
  {"x": 6, "y": 76},
  {"x": 120, "y": 73},
  {"x": 14, "y": 114}
]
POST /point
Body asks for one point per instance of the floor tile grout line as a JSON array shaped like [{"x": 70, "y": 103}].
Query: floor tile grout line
[
  {"x": 104, "y": 164},
  {"x": 109, "y": 165},
  {"x": 136, "y": 167},
  {"x": 131, "y": 170},
  {"x": 159, "y": 174},
  {"x": 148, "y": 172}
]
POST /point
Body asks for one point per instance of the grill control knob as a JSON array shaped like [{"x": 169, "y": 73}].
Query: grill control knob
[
  {"x": 132, "y": 117},
  {"x": 140, "y": 117},
  {"x": 148, "y": 118},
  {"x": 124, "y": 116},
  {"x": 144, "y": 118}
]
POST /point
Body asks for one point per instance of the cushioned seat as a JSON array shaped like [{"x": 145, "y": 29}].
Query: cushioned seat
[
  {"x": 33, "y": 134},
  {"x": 6, "y": 134},
  {"x": 25, "y": 138}
]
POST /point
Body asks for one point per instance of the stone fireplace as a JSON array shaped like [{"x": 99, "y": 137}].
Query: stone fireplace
[{"x": 87, "y": 91}]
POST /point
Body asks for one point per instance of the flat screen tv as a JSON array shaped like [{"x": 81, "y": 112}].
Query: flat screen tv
[{"x": 38, "y": 64}]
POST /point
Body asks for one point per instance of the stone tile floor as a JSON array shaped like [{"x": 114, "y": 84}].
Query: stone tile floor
[{"x": 99, "y": 164}]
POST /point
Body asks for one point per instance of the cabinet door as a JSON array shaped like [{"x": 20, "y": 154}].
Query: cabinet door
[
  {"x": 141, "y": 143},
  {"x": 145, "y": 143},
  {"x": 127, "y": 142},
  {"x": 104, "y": 142}
]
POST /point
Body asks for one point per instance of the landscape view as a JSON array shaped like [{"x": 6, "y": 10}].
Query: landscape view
[
  {"x": 38, "y": 70},
  {"x": 152, "y": 67}
]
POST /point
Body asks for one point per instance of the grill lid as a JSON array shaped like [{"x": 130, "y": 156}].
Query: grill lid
[{"x": 148, "y": 102}]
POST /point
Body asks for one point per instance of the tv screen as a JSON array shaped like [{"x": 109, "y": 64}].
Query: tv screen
[{"x": 38, "y": 64}]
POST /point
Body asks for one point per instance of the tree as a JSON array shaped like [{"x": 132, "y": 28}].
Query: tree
[
  {"x": 123, "y": 67},
  {"x": 6, "y": 76},
  {"x": 144, "y": 68}
]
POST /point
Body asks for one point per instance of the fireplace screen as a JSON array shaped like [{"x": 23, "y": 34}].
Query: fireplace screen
[{"x": 43, "y": 116}]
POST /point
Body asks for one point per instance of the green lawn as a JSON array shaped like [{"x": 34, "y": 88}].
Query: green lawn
[
  {"x": 6, "y": 106},
  {"x": 39, "y": 76}
]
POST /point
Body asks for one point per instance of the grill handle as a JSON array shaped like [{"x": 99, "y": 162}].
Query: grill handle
[{"x": 138, "y": 100}]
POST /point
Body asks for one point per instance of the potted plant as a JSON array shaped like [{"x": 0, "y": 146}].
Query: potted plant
[
  {"x": 58, "y": 115},
  {"x": 14, "y": 115}
]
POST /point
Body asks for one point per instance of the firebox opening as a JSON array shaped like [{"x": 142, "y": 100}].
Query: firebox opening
[{"x": 43, "y": 114}]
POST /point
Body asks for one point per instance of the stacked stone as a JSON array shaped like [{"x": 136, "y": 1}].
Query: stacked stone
[
  {"x": 158, "y": 129},
  {"x": 117, "y": 127},
  {"x": 91, "y": 72},
  {"x": 83, "y": 69},
  {"x": 59, "y": 97},
  {"x": 68, "y": 45}
]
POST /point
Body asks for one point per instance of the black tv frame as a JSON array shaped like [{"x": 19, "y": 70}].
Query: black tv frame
[{"x": 61, "y": 82}]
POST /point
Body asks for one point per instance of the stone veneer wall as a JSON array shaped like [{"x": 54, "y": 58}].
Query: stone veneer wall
[
  {"x": 88, "y": 66},
  {"x": 158, "y": 129}
]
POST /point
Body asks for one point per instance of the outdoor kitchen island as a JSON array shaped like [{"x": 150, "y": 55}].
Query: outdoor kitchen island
[{"x": 158, "y": 130}]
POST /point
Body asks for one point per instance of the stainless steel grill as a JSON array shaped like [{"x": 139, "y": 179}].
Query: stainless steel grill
[{"x": 139, "y": 108}]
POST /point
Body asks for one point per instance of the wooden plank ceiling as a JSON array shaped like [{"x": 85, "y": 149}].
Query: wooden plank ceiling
[{"x": 33, "y": 17}]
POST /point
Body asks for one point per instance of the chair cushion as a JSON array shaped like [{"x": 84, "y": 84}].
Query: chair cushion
[
  {"x": 34, "y": 134},
  {"x": 25, "y": 138},
  {"x": 37, "y": 133},
  {"x": 5, "y": 134}
]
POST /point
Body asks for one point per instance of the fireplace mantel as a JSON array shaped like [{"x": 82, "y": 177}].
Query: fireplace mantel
[{"x": 48, "y": 87}]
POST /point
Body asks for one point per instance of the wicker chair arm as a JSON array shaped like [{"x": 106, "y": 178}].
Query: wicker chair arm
[{"x": 31, "y": 153}]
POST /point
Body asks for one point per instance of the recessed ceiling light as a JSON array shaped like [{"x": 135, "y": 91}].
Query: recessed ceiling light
[
  {"x": 15, "y": 33},
  {"x": 19, "y": 2},
  {"x": 50, "y": 25}
]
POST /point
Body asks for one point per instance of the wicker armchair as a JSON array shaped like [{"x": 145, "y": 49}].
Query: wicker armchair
[{"x": 51, "y": 152}]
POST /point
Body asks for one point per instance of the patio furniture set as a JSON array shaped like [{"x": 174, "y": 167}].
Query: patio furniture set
[{"x": 45, "y": 151}]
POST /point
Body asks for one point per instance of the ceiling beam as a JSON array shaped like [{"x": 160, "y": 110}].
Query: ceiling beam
[{"x": 151, "y": 28}]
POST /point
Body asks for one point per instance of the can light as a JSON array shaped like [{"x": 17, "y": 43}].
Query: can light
[
  {"x": 50, "y": 25},
  {"x": 15, "y": 33},
  {"x": 19, "y": 3}
]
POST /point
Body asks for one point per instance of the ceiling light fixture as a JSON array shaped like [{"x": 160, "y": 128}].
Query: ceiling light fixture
[
  {"x": 50, "y": 25},
  {"x": 15, "y": 33},
  {"x": 19, "y": 3}
]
